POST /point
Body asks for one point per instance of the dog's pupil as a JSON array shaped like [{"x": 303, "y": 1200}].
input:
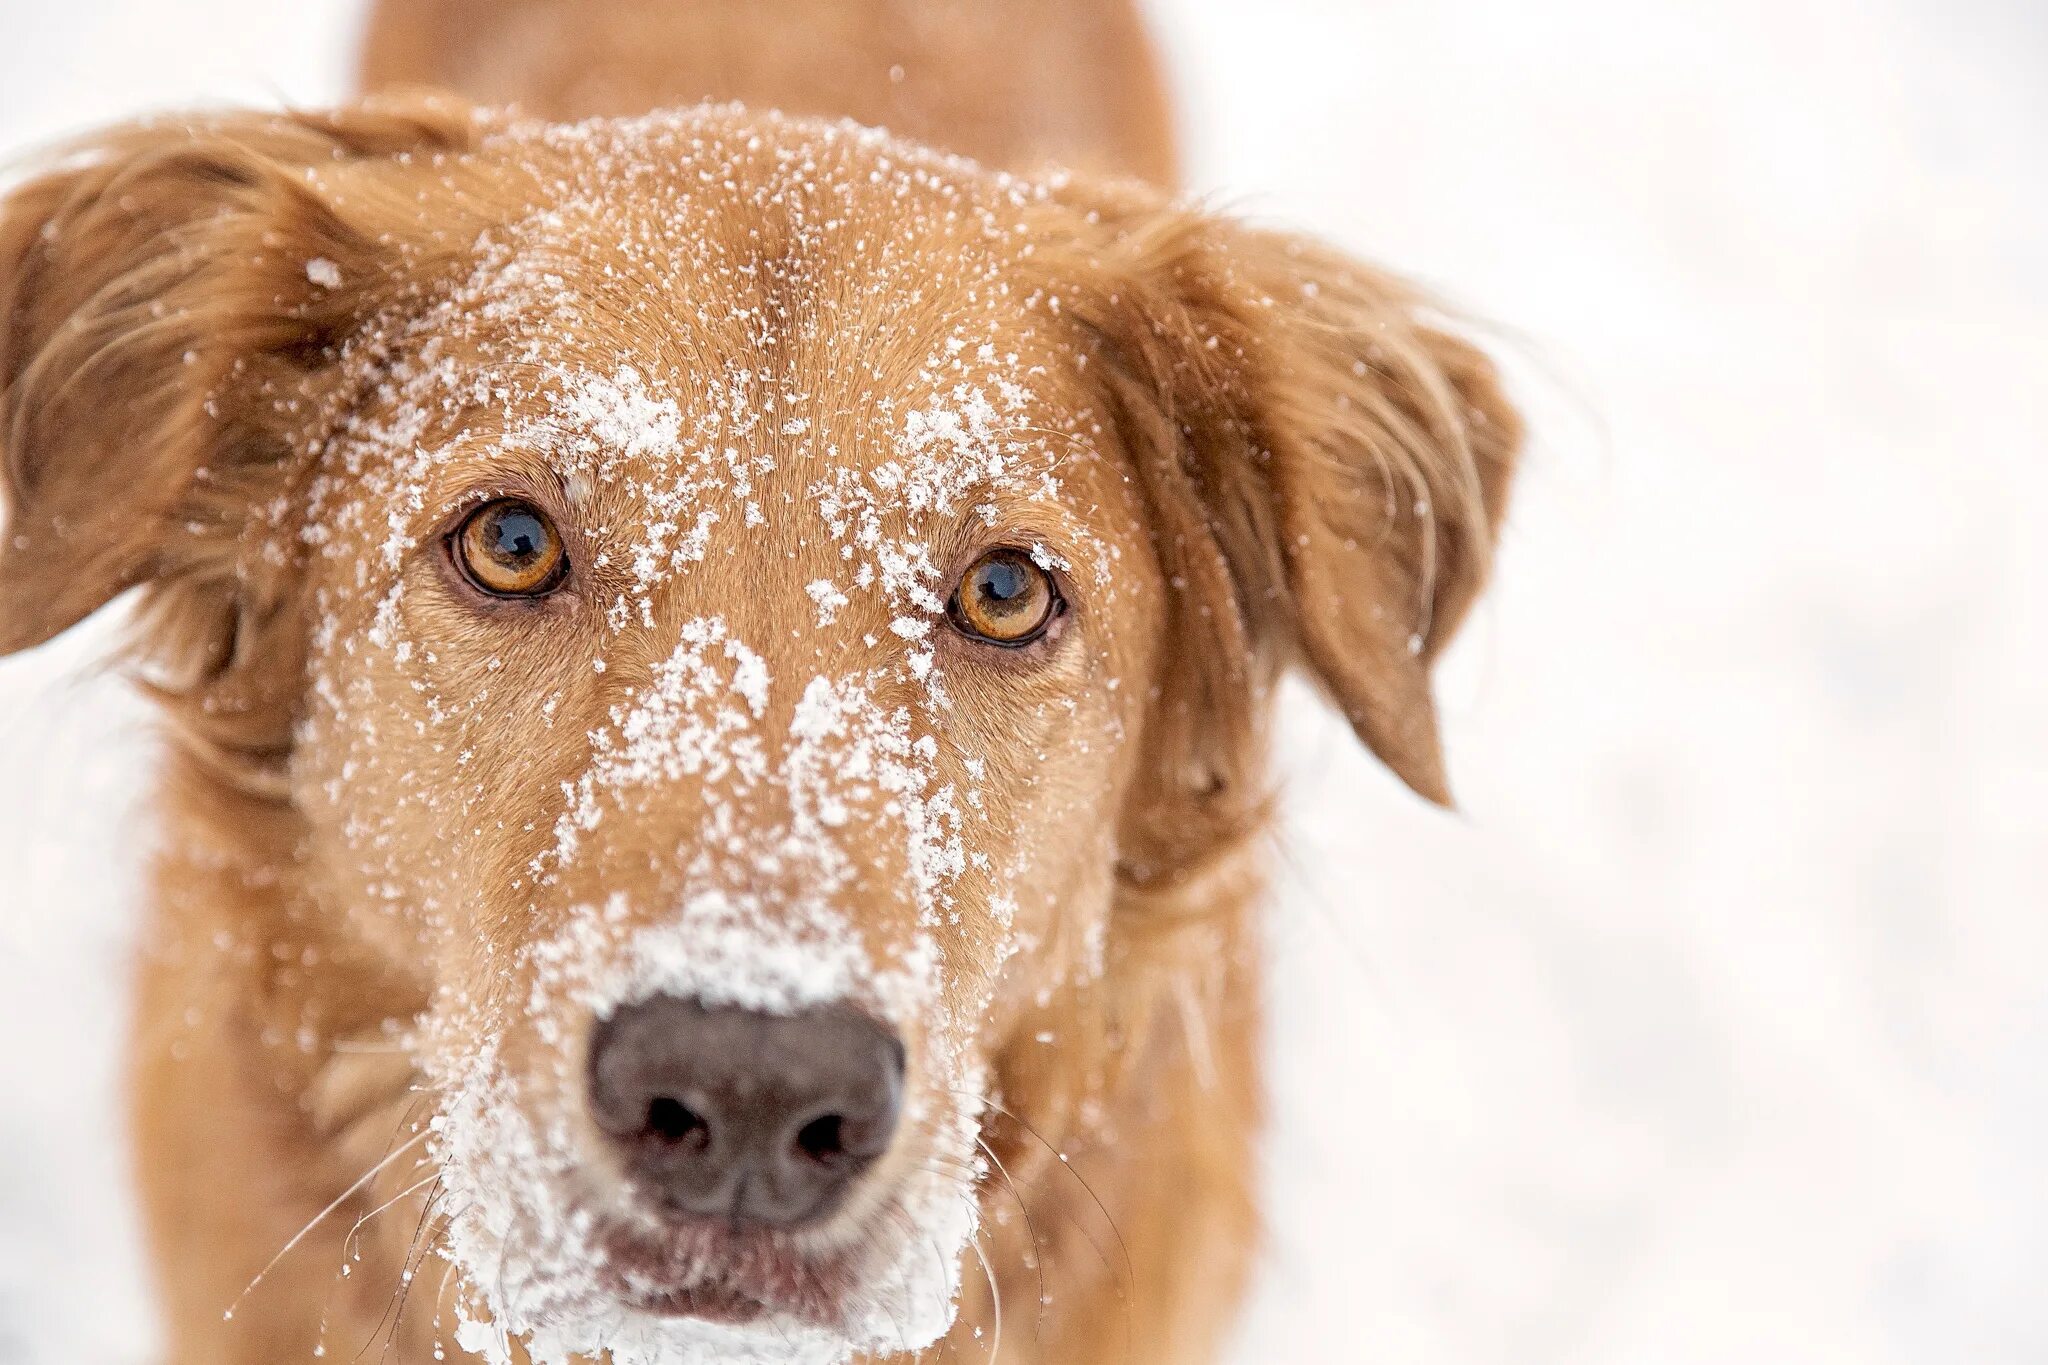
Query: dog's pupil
[
  {"x": 519, "y": 535},
  {"x": 1004, "y": 583}
]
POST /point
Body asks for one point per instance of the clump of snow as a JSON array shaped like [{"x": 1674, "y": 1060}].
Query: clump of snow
[
  {"x": 694, "y": 721},
  {"x": 722, "y": 948},
  {"x": 825, "y": 595}
]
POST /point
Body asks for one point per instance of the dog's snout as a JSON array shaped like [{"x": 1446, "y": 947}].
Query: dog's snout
[{"x": 731, "y": 1113}]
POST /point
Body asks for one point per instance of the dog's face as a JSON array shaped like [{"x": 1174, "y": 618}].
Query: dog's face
[
  {"x": 725, "y": 602},
  {"x": 742, "y": 614}
]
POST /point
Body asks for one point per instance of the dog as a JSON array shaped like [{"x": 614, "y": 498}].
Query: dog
[{"x": 715, "y": 666}]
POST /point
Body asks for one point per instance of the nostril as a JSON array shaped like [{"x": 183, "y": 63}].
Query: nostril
[
  {"x": 676, "y": 1124},
  {"x": 823, "y": 1139}
]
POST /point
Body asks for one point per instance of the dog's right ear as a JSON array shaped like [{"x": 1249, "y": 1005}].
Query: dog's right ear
[
  {"x": 1327, "y": 464},
  {"x": 162, "y": 291}
]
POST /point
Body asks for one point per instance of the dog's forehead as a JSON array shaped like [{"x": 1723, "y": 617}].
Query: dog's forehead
[{"x": 811, "y": 247}]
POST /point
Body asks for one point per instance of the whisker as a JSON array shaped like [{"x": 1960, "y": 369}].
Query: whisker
[
  {"x": 995, "y": 1292},
  {"x": 443, "y": 1296},
  {"x": 394, "y": 1307},
  {"x": 1030, "y": 1230},
  {"x": 1123, "y": 1248},
  {"x": 450, "y": 1280},
  {"x": 365, "y": 1178},
  {"x": 354, "y": 1233},
  {"x": 894, "y": 1208},
  {"x": 424, "y": 1239},
  {"x": 1129, "y": 1273}
]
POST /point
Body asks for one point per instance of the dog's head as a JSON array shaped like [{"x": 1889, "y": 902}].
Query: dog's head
[{"x": 745, "y": 624}]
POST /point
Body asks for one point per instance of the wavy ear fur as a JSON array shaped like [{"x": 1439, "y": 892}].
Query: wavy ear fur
[
  {"x": 167, "y": 294},
  {"x": 1328, "y": 465}
]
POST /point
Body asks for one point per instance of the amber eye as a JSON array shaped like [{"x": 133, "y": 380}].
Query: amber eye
[
  {"x": 509, "y": 548},
  {"x": 1005, "y": 599}
]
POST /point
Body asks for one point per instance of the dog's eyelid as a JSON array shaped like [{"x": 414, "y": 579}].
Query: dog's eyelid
[
  {"x": 546, "y": 488},
  {"x": 548, "y": 492}
]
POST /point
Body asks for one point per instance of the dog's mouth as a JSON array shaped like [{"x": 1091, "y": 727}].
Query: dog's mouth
[
  {"x": 688, "y": 1180},
  {"x": 574, "y": 1265},
  {"x": 732, "y": 1275}
]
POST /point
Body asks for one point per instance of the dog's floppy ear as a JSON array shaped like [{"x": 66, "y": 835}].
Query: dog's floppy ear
[
  {"x": 150, "y": 284},
  {"x": 1329, "y": 461}
]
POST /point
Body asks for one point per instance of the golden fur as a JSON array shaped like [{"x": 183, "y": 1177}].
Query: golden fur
[
  {"x": 204, "y": 323},
  {"x": 1011, "y": 83}
]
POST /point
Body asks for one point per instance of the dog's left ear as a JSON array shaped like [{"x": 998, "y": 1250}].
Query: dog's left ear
[
  {"x": 169, "y": 295},
  {"x": 1350, "y": 455}
]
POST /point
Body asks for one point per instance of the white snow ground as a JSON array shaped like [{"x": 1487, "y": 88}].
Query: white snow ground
[{"x": 1717, "y": 1028}]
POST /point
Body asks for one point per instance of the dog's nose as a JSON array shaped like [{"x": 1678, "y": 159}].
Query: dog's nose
[{"x": 731, "y": 1113}]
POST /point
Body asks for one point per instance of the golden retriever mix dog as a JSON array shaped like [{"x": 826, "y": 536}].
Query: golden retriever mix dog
[{"x": 716, "y": 670}]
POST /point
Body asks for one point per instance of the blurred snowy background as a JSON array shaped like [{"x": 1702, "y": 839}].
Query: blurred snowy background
[{"x": 1716, "y": 1029}]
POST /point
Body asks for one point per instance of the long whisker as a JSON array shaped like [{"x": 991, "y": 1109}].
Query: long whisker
[
  {"x": 450, "y": 1281},
  {"x": 394, "y": 1309},
  {"x": 901, "y": 1216},
  {"x": 1129, "y": 1274},
  {"x": 354, "y": 1233},
  {"x": 1030, "y": 1230},
  {"x": 364, "y": 1179},
  {"x": 995, "y": 1292},
  {"x": 1123, "y": 1249}
]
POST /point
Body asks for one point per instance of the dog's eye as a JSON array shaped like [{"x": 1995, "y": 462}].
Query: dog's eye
[
  {"x": 1004, "y": 599},
  {"x": 509, "y": 548}
]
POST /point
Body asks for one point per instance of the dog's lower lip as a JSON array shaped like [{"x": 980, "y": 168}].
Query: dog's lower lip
[
  {"x": 710, "y": 1272},
  {"x": 708, "y": 1303}
]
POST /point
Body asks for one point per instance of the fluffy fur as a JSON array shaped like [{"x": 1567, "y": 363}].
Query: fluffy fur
[{"x": 413, "y": 844}]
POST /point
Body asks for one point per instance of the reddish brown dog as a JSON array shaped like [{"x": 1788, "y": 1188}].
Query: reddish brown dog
[{"x": 716, "y": 671}]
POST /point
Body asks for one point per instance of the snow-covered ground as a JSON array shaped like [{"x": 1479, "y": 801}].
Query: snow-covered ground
[{"x": 1716, "y": 1029}]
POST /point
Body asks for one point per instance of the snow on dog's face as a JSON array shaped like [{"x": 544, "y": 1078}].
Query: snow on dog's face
[
  {"x": 702, "y": 619},
  {"x": 714, "y": 594}
]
